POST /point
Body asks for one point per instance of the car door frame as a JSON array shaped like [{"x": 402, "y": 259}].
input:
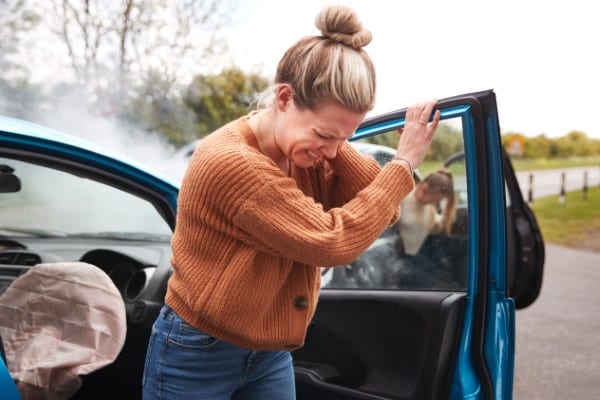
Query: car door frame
[
  {"x": 485, "y": 364},
  {"x": 45, "y": 146}
]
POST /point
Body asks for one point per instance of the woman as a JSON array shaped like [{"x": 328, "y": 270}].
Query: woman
[{"x": 267, "y": 200}]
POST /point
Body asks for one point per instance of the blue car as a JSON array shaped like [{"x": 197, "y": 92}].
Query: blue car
[{"x": 438, "y": 323}]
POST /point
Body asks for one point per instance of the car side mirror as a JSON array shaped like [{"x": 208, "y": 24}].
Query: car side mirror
[{"x": 9, "y": 182}]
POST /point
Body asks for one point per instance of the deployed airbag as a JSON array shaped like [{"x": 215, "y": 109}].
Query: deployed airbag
[{"x": 59, "y": 321}]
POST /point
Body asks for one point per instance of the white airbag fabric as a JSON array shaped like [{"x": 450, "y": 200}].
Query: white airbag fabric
[{"x": 59, "y": 321}]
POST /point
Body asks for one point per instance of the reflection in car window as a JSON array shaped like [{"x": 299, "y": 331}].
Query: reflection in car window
[
  {"x": 427, "y": 248},
  {"x": 56, "y": 203}
]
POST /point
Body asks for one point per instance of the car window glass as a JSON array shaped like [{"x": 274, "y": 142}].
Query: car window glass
[
  {"x": 56, "y": 203},
  {"x": 427, "y": 248}
]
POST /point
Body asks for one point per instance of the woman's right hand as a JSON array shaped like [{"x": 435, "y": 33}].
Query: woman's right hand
[{"x": 417, "y": 133}]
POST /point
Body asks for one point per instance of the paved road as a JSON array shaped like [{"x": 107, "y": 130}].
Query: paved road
[
  {"x": 558, "y": 336},
  {"x": 548, "y": 182}
]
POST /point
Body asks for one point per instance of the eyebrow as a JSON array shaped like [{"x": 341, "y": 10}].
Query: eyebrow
[{"x": 330, "y": 135}]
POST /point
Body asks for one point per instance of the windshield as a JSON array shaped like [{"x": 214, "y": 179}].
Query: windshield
[{"x": 53, "y": 203}]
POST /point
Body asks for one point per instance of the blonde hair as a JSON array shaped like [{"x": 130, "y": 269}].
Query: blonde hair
[{"x": 332, "y": 66}]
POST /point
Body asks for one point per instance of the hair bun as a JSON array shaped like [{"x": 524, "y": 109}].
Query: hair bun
[{"x": 341, "y": 24}]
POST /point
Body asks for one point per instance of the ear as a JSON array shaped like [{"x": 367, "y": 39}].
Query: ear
[{"x": 284, "y": 96}]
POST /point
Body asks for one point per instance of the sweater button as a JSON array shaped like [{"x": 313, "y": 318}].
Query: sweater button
[{"x": 301, "y": 302}]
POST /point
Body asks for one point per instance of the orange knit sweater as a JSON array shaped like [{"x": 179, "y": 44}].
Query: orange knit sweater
[{"x": 249, "y": 239}]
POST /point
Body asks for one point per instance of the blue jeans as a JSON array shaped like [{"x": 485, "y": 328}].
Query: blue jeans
[{"x": 185, "y": 363}]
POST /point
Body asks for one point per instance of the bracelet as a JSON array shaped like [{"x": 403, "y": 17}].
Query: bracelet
[{"x": 412, "y": 170}]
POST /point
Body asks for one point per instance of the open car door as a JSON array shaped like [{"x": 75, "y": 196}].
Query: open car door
[{"x": 438, "y": 322}]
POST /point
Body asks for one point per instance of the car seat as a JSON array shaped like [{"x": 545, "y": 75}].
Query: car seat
[{"x": 59, "y": 321}]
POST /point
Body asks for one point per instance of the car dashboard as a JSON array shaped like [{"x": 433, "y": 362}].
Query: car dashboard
[{"x": 139, "y": 269}]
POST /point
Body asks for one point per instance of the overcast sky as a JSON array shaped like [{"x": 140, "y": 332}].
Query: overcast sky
[{"x": 540, "y": 57}]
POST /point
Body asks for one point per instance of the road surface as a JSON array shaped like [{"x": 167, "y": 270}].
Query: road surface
[
  {"x": 558, "y": 336},
  {"x": 549, "y": 182}
]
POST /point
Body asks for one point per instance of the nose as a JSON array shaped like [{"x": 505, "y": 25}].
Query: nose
[{"x": 330, "y": 150}]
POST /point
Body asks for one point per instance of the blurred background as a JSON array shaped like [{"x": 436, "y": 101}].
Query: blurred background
[{"x": 147, "y": 78}]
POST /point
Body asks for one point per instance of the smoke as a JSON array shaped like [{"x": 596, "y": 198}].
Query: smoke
[{"x": 71, "y": 114}]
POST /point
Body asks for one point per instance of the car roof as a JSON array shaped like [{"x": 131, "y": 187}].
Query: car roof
[
  {"x": 22, "y": 127},
  {"x": 19, "y": 128}
]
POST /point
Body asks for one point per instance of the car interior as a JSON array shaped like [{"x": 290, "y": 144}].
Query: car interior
[
  {"x": 388, "y": 326},
  {"x": 341, "y": 357}
]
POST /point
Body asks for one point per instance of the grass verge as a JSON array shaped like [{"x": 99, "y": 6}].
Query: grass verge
[
  {"x": 568, "y": 223},
  {"x": 528, "y": 164}
]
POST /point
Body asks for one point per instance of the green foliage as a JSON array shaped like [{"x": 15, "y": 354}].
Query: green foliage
[
  {"x": 168, "y": 116},
  {"x": 567, "y": 223},
  {"x": 127, "y": 59},
  {"x": 446, "y": 141},
  {"x": 218, "y": 99},
  {"x": 538, "y": 147},
  {"x": 573, "y": 144},
  {"x": 389, "y": 139},
  {"x": 529, "y": 164}
]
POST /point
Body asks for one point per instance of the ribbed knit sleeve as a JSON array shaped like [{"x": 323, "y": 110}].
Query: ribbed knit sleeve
[
  {"x": 282, "y": 218},
  {"x": 248, "y": 238},
  {"x": 269, "y": 211},
  {"x": 345, "y": 175}
]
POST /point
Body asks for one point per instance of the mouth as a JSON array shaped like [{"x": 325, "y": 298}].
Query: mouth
[{"x": 312, "y": 155}]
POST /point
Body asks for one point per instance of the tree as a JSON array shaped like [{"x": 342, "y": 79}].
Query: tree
[
  {"x": 155, "y": 111},
  {"x": 580, "y": 143},
  {"x": 118, "y": 46},
  {"x": 446, "y": 141},
  {"x": 18, "y": 97},
  {"x": 538, "y": 147},
  {"x": 120, "y": 59},
  {"x": 220, "y": 98},
  {"x": 575, "y": 143},
  {"x": 17, "y": 20},
  {"x": 138, "y": 36}
]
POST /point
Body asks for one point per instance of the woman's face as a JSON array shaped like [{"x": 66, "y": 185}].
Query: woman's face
[{"x": 305, "y": 136}]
